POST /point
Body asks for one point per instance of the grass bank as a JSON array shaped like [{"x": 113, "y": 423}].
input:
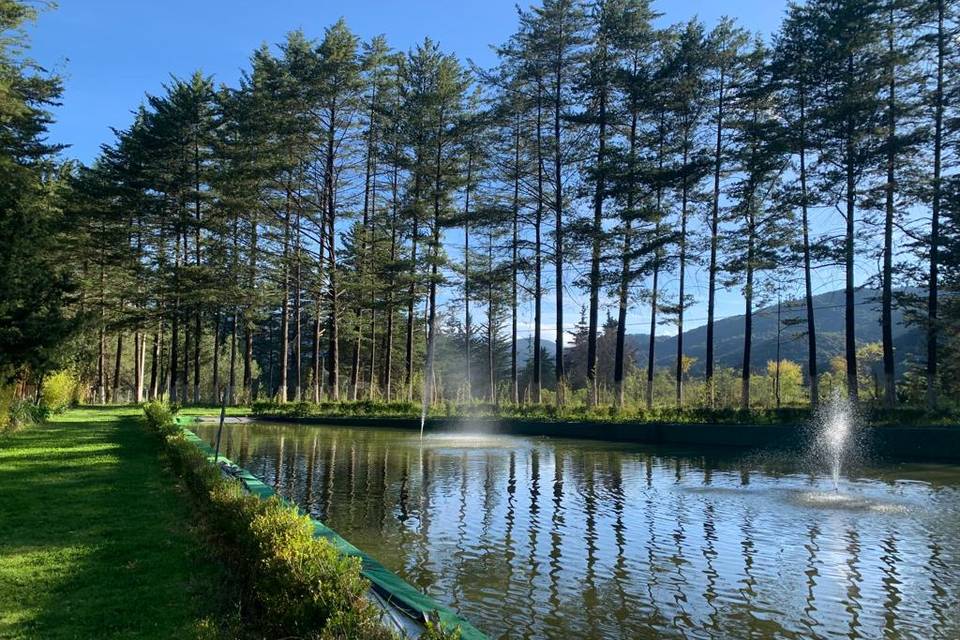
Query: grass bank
[
  {"x": 94, "y": 541},
  {"x": 296, "y": 578}
]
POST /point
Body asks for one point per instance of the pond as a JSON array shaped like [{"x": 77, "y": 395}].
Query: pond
[{"x": 553, "y": 538}]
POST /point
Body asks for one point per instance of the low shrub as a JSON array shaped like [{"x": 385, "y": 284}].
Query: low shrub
[
  {"x": 160, "y": 417},
  {"x": 8, "y": 396},
  {"x": 23, "y": 413},
  {"x": 59, "y": 391},
  {"x": 291, "y": 583},
  {"x": 263, "y": 407}
]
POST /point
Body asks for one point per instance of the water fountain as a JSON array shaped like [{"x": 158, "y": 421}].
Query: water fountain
[
  {"x": 423, "y": 409},
  {"x": 872, "y": 551},
  {"x": 427, "y": 376},
  {"x": 835, "y": 442}
]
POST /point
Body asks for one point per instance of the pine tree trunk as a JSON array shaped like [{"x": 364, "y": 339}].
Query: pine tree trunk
[
  {"x": 232, "y": 385},
  {"x": 466, "y": 280},
  {"x": 270, "y": 359},
  {"x": 491, "y": 316},
  {"x": 215, "y": 387},
  {"x": 654, "y": 291},
  {"x": 154, "y": 366},
  {"x": 434, "y": 267},
  {"x": 174, "y": 366},
  {"x": 597, "y": 233},
  {"x": 388, "y": 355},
  {"x": 198, "y": 320},
  {"x": 185, "y": 382},
  {"x": 776, "y": 386},
  {"x": 652, "y": 344},
  {"x": 933, "y": 284},
  {"x": 747, "y": 320},
  {"x": 388, "y": 337},
  {"x": 682, "y": 286},
  {"x": 174, "y": 352},
  {"x": 623, "y": 302},
  {"x": 394, "y": 222},
  {"x": 102, "y": 347},
  {"x": 164, "y": 381},
  {"x": 248, "y": 327},
  {"x": 558, "y": 233},
  {"x": 850, "y": 322},
  {"x": 139, "y": 348},
  {"x": 355, "y": 360},
  {"x": 297, "y": 310},
  {"x": 143, "y": 364},
  {"x": 620, "y": 356},
  {"x": 714, "y": 238},
  {"x": 248, "y": 361},
  {"x": 429, "y": 378},
  {"x": 115, "y": 392},
  {"x": 514, "y": 383},
  {"x": 197, "y": 333},
  {"x": 373, "y": 355},
  {"x": 537, "y": 391},
  {"x": 889, "y": 388},
  {"x": 317, "y": 368},
  {"x": 284, "y": 355},
  {"x": 807, "y": 269},
  {"x": 334, "y": 361},
  {"x": 411, "y": 294},
  {"x": 138, "y": 362}
]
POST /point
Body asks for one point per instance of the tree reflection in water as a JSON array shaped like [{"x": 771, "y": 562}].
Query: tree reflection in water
[{"x": 533, "y": 538}]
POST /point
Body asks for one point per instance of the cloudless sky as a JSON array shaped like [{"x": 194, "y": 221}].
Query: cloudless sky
[{"x": 110, "y": 52}]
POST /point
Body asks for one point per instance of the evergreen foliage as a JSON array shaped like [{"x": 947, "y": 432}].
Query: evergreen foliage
[{"x": 356, "y": 223}]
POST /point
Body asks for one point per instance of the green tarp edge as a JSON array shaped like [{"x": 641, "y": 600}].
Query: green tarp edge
[{"x": 387, "y": 584}]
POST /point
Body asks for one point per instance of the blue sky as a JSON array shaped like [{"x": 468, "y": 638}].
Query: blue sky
[{"x": 110, "y": 52}]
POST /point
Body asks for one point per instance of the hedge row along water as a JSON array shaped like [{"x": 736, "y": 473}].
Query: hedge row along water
[
  {"x": 291, "y": 583},
  {"x": 788, "y": 415}
]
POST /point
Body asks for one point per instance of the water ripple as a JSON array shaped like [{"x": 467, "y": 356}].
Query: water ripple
[{"x": 536, "y": 538}]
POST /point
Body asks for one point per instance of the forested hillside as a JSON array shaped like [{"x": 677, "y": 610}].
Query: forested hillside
[
  {"x": 729, "y": 334},
  {"x": 792, "y": 339}
]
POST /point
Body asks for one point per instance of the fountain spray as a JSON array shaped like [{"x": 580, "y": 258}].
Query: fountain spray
[
  {"x": 835, "y": 426},
  {"x": 428, "y": 374}
]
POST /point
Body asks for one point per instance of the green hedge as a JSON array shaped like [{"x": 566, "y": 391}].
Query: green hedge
[
  {"x": 545, "y": 412},
  {"x": 291, "y": 583},
  {"x": 788, "y": 415},
  {"x": 356, "y": 408}
]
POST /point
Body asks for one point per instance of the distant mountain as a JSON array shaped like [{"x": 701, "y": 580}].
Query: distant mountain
[
  {"x": 829, "y": 312},
  {"x": 525, "y": 349},
  {"x": 728, "y": 335}
]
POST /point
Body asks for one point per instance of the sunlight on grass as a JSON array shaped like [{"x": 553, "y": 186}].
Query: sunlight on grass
[{"x": 95, "y": 542}]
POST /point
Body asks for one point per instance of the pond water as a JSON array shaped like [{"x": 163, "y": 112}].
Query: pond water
[{"x": 552, "y": 538}]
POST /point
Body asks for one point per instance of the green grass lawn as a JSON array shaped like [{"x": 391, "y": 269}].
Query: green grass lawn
[{"x": 95, "y": 540}]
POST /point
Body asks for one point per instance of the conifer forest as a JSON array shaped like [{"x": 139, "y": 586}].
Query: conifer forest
[{"x": 353, "y": 222}]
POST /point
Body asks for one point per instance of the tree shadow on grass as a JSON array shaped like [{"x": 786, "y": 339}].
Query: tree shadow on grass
[{"x": 95, "y": 540}]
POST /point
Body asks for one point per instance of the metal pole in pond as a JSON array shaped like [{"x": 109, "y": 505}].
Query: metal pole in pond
[{"x": 223, "y": 413}]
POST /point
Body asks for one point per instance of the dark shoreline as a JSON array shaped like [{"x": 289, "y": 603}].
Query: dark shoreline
[{"x": 930, "y": 443}]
